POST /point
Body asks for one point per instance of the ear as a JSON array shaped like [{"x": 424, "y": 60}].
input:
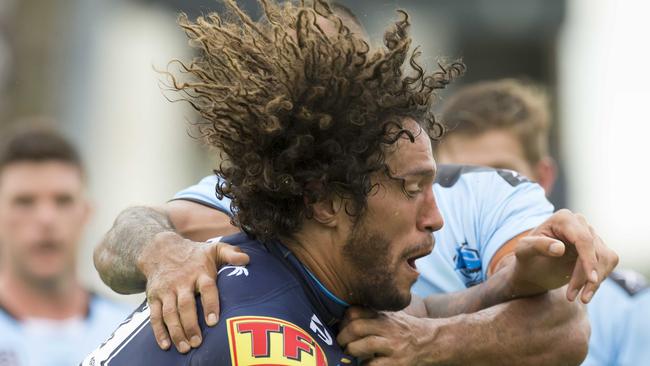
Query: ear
[
  {"x": 546, "y": 172},
  {"x": 327, "y": 211}
]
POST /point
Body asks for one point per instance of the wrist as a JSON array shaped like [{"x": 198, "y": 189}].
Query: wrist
[
  {"x": 519, "y": 283},
  {"x": 439, "y": 341}
]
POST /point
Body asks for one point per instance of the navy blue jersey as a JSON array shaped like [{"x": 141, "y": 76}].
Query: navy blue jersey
[{"x": 273, "y": 312}]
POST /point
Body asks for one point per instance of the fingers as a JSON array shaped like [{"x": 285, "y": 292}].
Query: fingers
[
  {"x": 225, "y": 253},
  {"x": 188, "y": 317},
  {"x": 607, "y": 258},
  {"x": 576, "y": 283},
  {"x": 595, "y": 269},
  {"x": 578, "y": 232},
  {"x": 533, "y": 246},
  {"x": 588, "y": 291},
  {"x": 368, "y": 347},
  {"x": 159, "y": 329},
  {"x": 357, "y": 312},
  {"x": 207, "y": 287},
  {"x": 607, "y": 261},
  {"x": 174, "y": 286},
  {"x": 357, "y": 329},
  {"x": 173, "y": 323}
]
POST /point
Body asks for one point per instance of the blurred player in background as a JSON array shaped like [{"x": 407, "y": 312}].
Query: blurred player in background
[
  {"x": 47, "y": 318},
  {"x": 505, "y": 124},
  {"x": 635, "y": 347},
  {"x": 151, "y": 257}
]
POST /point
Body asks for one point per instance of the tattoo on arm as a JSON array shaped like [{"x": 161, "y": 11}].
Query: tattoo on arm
[{"x": 117, "y": 255}]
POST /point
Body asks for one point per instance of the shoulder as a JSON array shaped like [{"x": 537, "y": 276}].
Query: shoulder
[
  {"x": 449, "y": 175},
  {"x": 265, "y": 278},
  {"x": 204, "y": 193},
  {"x": 631, "y": 282},
  {"x": 481, "y": 189}
]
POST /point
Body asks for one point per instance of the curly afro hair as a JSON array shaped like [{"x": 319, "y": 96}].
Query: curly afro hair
[{"x": 299, "y": 113}]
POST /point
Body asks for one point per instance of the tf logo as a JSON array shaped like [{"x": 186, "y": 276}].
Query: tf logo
[{"x": 258, "y": 340}]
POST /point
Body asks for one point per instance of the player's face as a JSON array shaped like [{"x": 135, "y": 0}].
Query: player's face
[
  {"x": 396, "y": 228},
  {"x": 496, "y": 148},
  {"x": 42, "y": 214}
]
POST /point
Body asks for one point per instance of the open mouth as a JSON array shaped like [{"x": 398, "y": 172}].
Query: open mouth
[{"x": 411, "y": 260}]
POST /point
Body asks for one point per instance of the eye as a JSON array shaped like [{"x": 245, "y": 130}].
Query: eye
[
  {"x": 24, "y": 201},
  {"x": 413, "y": 189},
  {"x": 64, "y": 200}
]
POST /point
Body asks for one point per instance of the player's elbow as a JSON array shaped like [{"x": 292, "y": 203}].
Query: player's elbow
[
  {"x": 105, "y": 262},
  {"x": 102, "y": 262}
]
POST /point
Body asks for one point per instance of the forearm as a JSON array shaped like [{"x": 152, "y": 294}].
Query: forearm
[
  {"x": 116, "y": 257},
  {"x": 541, "y": 330},
  {"x": 495, "y": 290}
]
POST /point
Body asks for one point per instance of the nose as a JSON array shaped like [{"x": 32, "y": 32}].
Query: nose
[
  {"x": 429, "y": 217},
  {"x": 46, "y": 214}
]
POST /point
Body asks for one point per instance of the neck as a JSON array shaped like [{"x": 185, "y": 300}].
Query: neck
[
  {"x": 57, "y": 299},
  {"x": 321, "y": 255}
]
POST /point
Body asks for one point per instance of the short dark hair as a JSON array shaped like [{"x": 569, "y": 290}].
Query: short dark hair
[
  {"x": 36, "y": 143},
  {"x": 508, "y": 104}
]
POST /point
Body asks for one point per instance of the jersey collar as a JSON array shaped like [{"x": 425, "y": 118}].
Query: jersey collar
[{"x": 331, "y": 307}]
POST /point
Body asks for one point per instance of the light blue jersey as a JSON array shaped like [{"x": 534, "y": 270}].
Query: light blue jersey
[
  {"x": 483, "y": 209},
  {"x": 205, "y": 193},
  {"x": 635, "y": 344},
  {"x": 45, "y": 342},
  {"x": 609, "y": 316}
]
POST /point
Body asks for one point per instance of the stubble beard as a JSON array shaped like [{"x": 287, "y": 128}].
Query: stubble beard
[{"x": 373, "y": 272}]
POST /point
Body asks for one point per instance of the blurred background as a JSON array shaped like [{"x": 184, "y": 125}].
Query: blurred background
[{"x": 90, "y": 65}]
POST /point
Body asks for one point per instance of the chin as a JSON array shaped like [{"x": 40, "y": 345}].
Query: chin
[{"x": 390, "y": 300}]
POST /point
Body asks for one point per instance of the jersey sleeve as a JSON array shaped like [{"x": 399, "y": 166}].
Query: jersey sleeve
[
  {"x": 508, "y": 204},
  {"x": 204, "y": 193},
  {"x": 482, "y": 208}
]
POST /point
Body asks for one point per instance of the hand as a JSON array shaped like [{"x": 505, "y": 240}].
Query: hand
[
  {"x": 564, "y": 249},
  {"x": 176, "y": 269},
  {"x": 385, "y": 338}
]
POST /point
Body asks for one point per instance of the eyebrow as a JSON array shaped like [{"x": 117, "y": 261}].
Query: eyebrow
[{"x": 421, "y": 172}]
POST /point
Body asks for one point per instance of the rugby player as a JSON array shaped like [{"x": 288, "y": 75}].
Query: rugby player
[
  {"x": 569, "y": 224},
  {"x": 505, "y": 124},
  {"x": 47, "y": 318}
]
